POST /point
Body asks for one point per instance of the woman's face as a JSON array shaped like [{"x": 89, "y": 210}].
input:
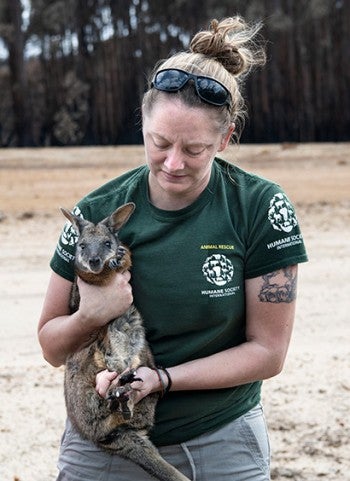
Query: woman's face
[{"x": 180, "y": 146}]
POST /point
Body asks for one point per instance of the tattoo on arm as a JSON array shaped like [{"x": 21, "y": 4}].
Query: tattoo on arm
[{"x": 282, "y": 291}]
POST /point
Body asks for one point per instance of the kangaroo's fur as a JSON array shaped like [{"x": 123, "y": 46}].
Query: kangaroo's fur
[{"x": 115, "y": 424}]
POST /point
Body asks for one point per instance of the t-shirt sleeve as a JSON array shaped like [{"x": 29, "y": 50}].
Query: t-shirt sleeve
[
  {"x": 62, "y": 261},
  {"x": 274, "y": 240}
]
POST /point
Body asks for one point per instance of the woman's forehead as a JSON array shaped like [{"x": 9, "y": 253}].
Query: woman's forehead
[{"x": 172, "y": 115}]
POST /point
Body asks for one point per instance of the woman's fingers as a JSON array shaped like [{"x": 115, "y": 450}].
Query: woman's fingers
[{"x": 104, "y": 380}]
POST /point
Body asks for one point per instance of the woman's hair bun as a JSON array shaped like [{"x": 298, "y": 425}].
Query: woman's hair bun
[{"x": 230, "y": 42}]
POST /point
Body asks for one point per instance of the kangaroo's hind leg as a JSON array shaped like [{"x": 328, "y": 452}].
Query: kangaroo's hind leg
[{"x": 135, "y": 446}]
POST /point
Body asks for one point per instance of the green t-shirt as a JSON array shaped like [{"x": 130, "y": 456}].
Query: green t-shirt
[{"x": 189, "y": 268}]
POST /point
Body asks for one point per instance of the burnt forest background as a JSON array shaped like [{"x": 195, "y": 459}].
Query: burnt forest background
[{"x": 73, "y": 72}]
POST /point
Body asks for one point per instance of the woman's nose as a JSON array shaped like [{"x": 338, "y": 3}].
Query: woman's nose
[{"x": 173, "y": 161}]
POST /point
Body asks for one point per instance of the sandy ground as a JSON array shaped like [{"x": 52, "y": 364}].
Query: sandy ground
[{"x": 307, "y": 406}]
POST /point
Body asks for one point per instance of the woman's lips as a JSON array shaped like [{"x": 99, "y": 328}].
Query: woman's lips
[{"x": 173, "y": 177}]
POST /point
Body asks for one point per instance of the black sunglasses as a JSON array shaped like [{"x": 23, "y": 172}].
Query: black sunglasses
[{"x": 207, "y": 88}]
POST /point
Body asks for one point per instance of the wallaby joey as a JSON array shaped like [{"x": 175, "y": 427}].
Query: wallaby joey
[{"x": 116, "y": 423}]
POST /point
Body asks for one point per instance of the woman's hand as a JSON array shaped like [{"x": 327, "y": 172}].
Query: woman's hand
[
  {"x": 150, "y": 382},
  {"x": 100, "y": 304}
]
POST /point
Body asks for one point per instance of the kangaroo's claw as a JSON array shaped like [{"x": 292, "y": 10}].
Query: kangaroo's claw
[{"x": 114, "y": 264}]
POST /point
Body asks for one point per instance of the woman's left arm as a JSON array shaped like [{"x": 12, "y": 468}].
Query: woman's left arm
[{"x": 270, "y": 310}]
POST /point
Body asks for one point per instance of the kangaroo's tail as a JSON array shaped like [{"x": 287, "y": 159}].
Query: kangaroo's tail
[{"x": 135, "y": 446}]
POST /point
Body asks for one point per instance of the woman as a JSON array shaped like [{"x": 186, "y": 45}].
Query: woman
[{"x": 215, "y": 254}]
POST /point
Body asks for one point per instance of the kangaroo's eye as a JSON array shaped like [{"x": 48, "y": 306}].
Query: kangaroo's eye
[
  {"x": 82, "y": 246},
  {"x": 108, "y": 244}
]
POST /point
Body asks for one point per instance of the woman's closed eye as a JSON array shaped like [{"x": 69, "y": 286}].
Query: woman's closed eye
[
  {"x": 161, "y": 145},
  {"x": 194, "y": 152}
]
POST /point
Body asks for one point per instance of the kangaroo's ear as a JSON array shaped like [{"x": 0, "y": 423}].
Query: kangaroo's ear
[
  {"x": 119, "y": 217},
  {"x": 78, "y": 222}
]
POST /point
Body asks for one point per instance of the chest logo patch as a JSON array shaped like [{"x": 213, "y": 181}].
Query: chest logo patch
[
  {"x": 218, "y": 269},
  {"x": 281, "y": 213}
]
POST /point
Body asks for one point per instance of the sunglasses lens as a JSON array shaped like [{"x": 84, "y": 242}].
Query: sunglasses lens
[
  {"x": 211, "y": 91},
  {"x": 170, "y": 80},
  {"x": 208, "y": 89}
]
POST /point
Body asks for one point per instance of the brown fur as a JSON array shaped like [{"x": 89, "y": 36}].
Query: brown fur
[{"x": 116, "y": 423}]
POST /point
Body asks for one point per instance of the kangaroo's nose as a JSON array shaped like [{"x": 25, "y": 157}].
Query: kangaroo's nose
[{"x": 94, "y": 262}]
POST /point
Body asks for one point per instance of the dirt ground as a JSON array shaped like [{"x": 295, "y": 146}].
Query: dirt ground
[{"x": 307, "y": 406}]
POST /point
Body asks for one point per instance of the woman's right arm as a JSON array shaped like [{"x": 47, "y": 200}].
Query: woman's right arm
[{"x": 61, "y": 333}]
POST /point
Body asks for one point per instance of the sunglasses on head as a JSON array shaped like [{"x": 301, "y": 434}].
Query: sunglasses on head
[{"x": 207, "y": 88}]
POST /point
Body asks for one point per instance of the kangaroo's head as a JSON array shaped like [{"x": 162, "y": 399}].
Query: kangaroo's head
[{"x": 99, "y": 251}]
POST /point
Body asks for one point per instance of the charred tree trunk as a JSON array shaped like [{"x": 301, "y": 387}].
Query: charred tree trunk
[{"x": 18, "y": 72}]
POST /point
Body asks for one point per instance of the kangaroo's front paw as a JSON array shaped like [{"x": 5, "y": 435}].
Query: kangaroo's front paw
[
  {"x": 114, "y": 263},
  {"x": 119, "y": 400},
  {"x": 121, "y": 252},
  {"x": 129, "y": 377},
  {"x": 117, "y": 393},
  {"x": 117, "y": 261}
]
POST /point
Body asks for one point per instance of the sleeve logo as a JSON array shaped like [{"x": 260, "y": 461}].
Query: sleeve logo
[
  {"x": 69, "y": 236},
  {"x": 281, "y": 213}
]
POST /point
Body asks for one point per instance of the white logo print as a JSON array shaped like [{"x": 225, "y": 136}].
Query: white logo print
[
  {"x": 218, "y": 269},
  {"x": 69, "y": 235},
  {"x": 281, "y": 213}
]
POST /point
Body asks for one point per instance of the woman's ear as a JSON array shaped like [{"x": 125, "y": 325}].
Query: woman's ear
[{"x": 226, "y": 138}]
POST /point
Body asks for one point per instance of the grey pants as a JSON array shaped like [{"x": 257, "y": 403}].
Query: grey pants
[{"x": 237, "y": 452}]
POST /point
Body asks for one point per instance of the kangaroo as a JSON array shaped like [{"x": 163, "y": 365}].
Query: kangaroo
[{"x": 116, "y": 423}]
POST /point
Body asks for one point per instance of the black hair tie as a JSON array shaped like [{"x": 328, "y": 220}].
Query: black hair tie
[{"x": 170, "y": 382}]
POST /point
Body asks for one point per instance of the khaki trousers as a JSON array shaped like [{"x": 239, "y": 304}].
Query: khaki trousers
[{"x": 238, "y": 451}]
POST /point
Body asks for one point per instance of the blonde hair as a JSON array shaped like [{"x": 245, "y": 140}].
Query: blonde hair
[{"x": 226, "y": 52}]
